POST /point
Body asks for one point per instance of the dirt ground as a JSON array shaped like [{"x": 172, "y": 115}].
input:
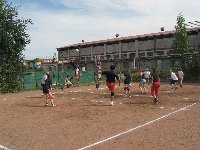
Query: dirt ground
[{"x": 83, "y": 117}]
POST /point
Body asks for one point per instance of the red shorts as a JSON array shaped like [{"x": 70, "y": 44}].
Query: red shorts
[
  {"x": 180, "y": 78},
  {"x": 49, "y": 97},
  {"x": 111, "y": 86},
  {"x": 77, "y": 77}
]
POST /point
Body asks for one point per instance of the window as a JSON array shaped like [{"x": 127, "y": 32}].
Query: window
[
  {"x": 126, "y": 64},
  {"x": 132, "y": 55},
  {"x": 102, "y": 57},
  {"x": 146, "y": 64},
  {"x": 88, "y": 58},
  {"x": 72, "y": 58},
  {"x": 141, "y": 54},
  {"x": 171, "y": 52},
  {"x": 108, "y": 57},
  {"x": 116, "y": 56},
  {"x": 96, "y": 57},
  {"x": 174, "y": 63},
  {"x": 82, "y": 58},
  {"x": 123, "y": 56},
  {"x": 160, "y": 53},
  {"x": 159, "y": 63},
  {"x": 149, "y": 53}
]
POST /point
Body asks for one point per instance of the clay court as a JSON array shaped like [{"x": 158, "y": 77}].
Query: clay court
[{"x": 84, "y": 119}]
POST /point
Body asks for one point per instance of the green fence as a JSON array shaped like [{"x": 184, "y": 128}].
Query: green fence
[{"x": 32, "y": 80}]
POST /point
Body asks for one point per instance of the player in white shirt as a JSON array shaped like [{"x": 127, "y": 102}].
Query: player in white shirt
[
  {"x": 180, "y": 77},
  {"x": 174, "y": 79},
  {"x": 77, "y": 75},
  {"x": 44, "y": 78},
  {"x": 147, "y": 75}
]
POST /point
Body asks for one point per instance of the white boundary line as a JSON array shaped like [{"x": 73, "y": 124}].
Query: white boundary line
[
  {"x": 4, "y": 148},
  {"x": 140, "y": 126}
]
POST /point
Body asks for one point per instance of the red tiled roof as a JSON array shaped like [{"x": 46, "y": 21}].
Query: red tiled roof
[{"x": 127, "y": 38}]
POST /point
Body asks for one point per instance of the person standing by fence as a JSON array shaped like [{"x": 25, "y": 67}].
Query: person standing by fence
[
  {"x": 44, "y": 78},
  {"x": 47, "y": 89},
  {"x": 77, "y": 75},
  {"x": 68, "y": 81}
]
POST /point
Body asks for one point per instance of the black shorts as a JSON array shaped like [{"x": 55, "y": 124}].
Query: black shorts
[
  {"x": 45, "y": 88},
  {"x": 173, "y": 81}
]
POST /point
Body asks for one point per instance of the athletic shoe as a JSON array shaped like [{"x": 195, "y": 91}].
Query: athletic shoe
[
  {"x": 155, "y": 100},
  {"x": 46, "y": 104},
  {"x": 111, "y": 103},
  {"x": 53, "y": 105}
]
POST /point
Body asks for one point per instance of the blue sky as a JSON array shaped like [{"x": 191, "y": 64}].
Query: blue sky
[{"x": 59, "y": 23}]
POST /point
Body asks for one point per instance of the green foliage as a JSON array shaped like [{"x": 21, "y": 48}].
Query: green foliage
[
  {"x": 13, "y": 39},
  {"x": 164, "y": 74},
  {"x": 181, "y": 40},
  {"x": 190, "y": 64},
  {"x": 135, "y": 76},
  {"x": 193, "y": 71}
]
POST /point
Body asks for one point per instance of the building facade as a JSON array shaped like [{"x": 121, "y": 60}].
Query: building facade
[{"x": 135, "y": 52}]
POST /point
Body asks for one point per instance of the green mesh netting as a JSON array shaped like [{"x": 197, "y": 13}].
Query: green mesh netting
[{"x": 32, "y": 80}]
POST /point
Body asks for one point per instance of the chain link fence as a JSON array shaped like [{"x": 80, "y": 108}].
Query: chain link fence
[{"x": 33, "y": 80}]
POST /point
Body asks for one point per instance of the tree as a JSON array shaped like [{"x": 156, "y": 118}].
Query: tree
[
  {"x": 190, "y": 57},
  {"x": 194, "y": 66},
  {"x": 181, "y": 40},
  {"x": 13, "y": 40}
]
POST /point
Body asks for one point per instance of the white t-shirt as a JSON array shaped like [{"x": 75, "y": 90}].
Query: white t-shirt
[
  {"x": 173, "y": 76},
  {"x": 83, "y": 69},
  {"x": 147, "y": 74},
  {"x": 98, "y": 74},
  {"x": 44, "y": 78},
  {"x": 180, "y": 74},
  {"x": 77, "y": 72}
]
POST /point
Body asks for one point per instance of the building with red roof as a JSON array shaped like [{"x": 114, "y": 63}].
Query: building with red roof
[{"x": 140, "y": 51}]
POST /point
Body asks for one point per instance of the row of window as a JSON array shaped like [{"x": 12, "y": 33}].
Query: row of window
[
  {"x": 160, "y": 63},
  {"x": 123, "y": 55}
]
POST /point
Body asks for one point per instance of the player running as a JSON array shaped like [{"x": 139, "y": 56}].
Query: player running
[
  {"x": 127, "y": 83},
  {"x": 155, "y": 80},
  {"x": 110, "y": 81}
]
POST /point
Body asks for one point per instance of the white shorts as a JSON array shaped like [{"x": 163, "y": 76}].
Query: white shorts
[
  {"x": 97, "y": 77},
  {"x": 127, "y": 85}
]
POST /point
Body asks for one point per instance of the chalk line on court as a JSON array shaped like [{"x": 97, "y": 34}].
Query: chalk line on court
[
  {"x": 140, "y": 126},
  {"x": 4, "y": 148}
]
